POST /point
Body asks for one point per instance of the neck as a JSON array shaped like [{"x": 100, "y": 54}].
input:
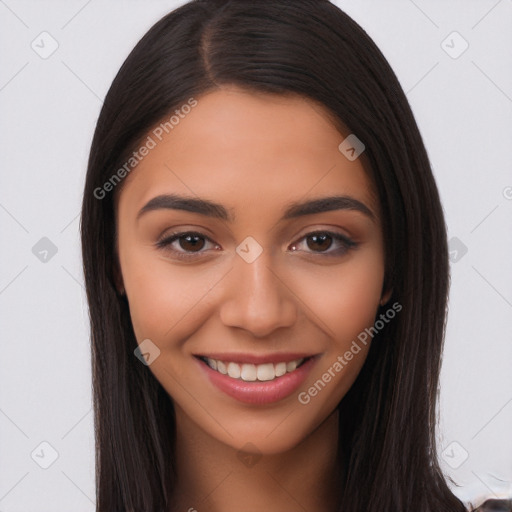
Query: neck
[{"x": 216, "y": 477}]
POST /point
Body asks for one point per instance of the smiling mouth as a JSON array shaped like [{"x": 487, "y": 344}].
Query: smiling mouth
[{"x": 249, "y": 372}]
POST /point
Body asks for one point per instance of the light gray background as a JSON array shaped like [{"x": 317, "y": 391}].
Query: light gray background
[{"x": 49, "y": 107}]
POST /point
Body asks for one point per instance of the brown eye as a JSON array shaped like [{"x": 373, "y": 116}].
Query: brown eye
[
  {"x": 319, "y": 242},
  {"x": 191, "y": 242},
  {"x": 185, "y": 245}
]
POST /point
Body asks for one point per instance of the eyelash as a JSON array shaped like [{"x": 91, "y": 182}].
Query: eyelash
[{"x": 165, "y": 243}]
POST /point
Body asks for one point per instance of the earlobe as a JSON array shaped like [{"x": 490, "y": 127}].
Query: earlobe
[
  {"x": 387, "y": 290},
  {"x": 386, "y": 296}
]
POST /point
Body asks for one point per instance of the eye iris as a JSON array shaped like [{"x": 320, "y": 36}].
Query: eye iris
[
  {"x": 193, "y": 241},
  {"x": 322, "y": 239}
]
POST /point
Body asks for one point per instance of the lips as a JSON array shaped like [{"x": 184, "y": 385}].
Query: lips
[{"x": 255, "y": 379}]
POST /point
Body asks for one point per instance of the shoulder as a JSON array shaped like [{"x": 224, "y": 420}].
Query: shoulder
[{"x": 495, "y": 506}]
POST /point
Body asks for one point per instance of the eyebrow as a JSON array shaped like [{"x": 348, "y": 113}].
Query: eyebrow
[{"x": 217, "y": 211}]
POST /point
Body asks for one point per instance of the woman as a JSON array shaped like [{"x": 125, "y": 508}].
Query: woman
[{"x": 266, "y": 267}]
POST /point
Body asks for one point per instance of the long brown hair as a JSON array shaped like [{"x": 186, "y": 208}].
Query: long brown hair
[{"x": 311, "y": 48}]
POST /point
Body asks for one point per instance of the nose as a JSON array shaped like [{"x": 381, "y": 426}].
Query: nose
[{"x": 257, "y": 298}]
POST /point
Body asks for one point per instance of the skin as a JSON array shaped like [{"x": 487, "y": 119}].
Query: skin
[{"x": 252, "y": 153}]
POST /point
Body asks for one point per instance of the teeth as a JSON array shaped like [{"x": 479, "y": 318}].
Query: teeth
[
  {"x": 248, "y": 373},
  {"x": 291, "y": 366},
  {"x": 253, "y": 372},
  {"x": 221, "y": 367},
  {"x": 234, "y": 370},
  {"x": 280, "y": 369},
  {"x": 266, "y": 371}
]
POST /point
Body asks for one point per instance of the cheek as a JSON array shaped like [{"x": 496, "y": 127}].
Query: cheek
[
  {"x": 164, "y": 299},
  {"x": 345, "y": 301},
  {"x": 344, "y": 298},
  {"x": 358, "y": 299}
]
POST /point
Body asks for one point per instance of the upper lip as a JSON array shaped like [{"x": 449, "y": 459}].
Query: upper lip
[{"x": 283, "y": 357}]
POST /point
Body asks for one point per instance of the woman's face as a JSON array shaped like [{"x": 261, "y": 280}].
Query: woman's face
[{"x": 242, "y": 268}]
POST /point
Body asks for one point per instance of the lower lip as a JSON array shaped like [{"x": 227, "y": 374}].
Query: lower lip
[{"x": 259, "y": 392}]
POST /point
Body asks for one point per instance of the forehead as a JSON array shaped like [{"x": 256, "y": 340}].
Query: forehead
[{"x": 242, "y": 148}]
